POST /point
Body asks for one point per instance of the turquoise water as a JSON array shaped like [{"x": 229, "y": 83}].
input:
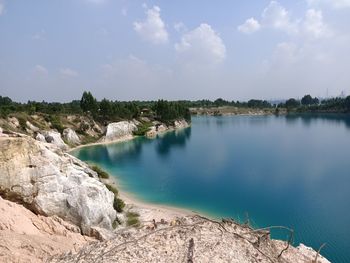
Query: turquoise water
[{"x": 286, "y": 170}]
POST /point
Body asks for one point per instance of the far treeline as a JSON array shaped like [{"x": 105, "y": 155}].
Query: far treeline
[
  {"x": 165, "y": 111},
  {"x": 104, "y": 110}
]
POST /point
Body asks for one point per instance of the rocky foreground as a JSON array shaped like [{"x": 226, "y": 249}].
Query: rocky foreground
[
  {"x": 192, "y": 239},
  {"x": 57, "y": 206}
]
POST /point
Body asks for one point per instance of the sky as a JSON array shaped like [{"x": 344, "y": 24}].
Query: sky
[{"x": 53, "y": 50}]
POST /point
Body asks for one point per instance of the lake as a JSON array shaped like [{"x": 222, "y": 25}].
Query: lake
[{"x": 289, "y": 170}]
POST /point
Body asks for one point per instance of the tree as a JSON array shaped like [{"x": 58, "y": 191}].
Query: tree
[
  {"x": 308, "y": 100},
  {"x": 106, "y": 109},
  {"x": 347, "y": 103},
  {"x": 88, "y": 103},
  {"x": 292, "y": 103}
]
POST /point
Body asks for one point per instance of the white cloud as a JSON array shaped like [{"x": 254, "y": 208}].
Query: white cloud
[
  {"x": 180, "y": 27},
  {"x": 251, "y": 25},
  {"x": 2, "y": 7},
  {"x": 311, "y": 26},
  {"x": 153, "y": 28},
  {"x": 314, "y": 26},
  {"x": 337, "y": 4},
  {"x": 41, "y": 70},
  {"x": 67, "y": 72},
  {"x": 202, "y": 46},
  {"x": 276, "y": 16}
]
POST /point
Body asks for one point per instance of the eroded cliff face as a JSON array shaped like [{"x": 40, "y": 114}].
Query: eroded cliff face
[
  {"x": 27, "y": 237},
  {"x": 51, "y": 182}
]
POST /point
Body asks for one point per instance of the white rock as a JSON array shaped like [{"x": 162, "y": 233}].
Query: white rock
[
  {"x": 118, "y": 130},
  {"x": 32, "y": 127},
  {"x": 13, "y": 122},
  {"x": 179, "y": 124},
  {"x": 71, "y": 136},
  {"x": 53, "y": 183},
  {"x": 162, "y": 128},
  {"x": 152, "y": 132},
  {"x": 55, "y": 138},
  {"x": 41, "y": 138}
]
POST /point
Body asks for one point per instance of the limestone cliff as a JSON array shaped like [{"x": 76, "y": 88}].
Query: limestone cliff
[{"x": 51, "y": 182}]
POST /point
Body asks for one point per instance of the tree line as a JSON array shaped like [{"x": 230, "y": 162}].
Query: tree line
[{"x": 163, "y": 110}]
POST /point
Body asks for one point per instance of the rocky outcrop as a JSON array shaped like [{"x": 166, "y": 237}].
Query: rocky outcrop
[
  {"x": 39, "y": 137},
  {"x": 193, "y": 239},
  {"x": 119, "y": 130},
  {"x": 50, "y": 182},
  {"x": 55, "y": 138},
  {"x": 71, "y": 137},
  {"x": 31, "y": 127},
  {"x": 180, "y": 124},
  {"x": 26, "y": 237}
]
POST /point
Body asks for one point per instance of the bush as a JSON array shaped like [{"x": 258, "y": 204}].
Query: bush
[
  {"x": 112, "y": 189},
  {"x": 118, "y": 204},
  {"x": 142, "y": 129},
  {"x": 101, "y": 173},
  {"x": 132, "y": 219}
]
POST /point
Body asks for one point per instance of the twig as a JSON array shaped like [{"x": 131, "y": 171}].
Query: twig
[{"x": 318, "y": 252}]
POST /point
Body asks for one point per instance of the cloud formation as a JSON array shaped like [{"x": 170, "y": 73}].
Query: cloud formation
[
  {"x": 336, "y": 4},
  {"x": 41, "y": 70},
  {"x": 152, "y": 29},
  {"x": 67, "y": 72},
  {"x": 251, "y": 25},
  {"x": 201, "y": 46},
  {"x": 277, "y": 17}
]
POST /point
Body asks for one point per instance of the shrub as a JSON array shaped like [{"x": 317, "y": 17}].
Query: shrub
[
  {"x": 118, "y": 204},
  {"x": 101, "y": 173},
  {"x": 142, "y": 129},
  {"x": 132, "y": 219},
  {"x": 112, "y": 189}
]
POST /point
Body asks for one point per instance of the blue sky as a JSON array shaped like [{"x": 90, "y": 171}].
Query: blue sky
[{"x": 123, "y": 49}]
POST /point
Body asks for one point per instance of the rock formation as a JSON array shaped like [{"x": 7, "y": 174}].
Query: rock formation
[
  {"x": 192, "y": 239},
  {"x": 26, "y": 237},
  {"x": 71, "y": 137},
  {"x": 55, "y": 138},
  {"x": 118, "y": 130},
  {"x": 50, "y": 182}
]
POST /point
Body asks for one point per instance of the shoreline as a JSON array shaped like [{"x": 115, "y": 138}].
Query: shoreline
[{"x": 147, "y": 210}]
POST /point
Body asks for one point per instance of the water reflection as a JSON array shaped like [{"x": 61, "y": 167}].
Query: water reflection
[
  {"x": 309, "y": 118},
  {"x": 170, "y": 140}
]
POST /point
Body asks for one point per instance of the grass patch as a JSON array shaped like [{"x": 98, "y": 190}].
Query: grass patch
[
  {"x": 132, "y": 219},
  {"x": 101, "y": 173},
  {"x": 142, "y": 129}
]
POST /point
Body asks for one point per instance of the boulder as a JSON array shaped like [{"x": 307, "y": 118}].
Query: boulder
[
  {"x": 39, "y": 137},
  {"x": 71, "y": 137},
  {"x": 152, "y": 132},
  {"x": 119, "y": 130},
  {"x": 179, "y": 124},
  {"x": 50, "y": 182},
  {"x": 13, "y": 122},
  {"x": 32, "y": 127},
  {"x": 55, "y": 138}
]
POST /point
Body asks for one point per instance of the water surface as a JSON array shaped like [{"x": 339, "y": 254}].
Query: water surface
[{"x": 286, "y": 170}]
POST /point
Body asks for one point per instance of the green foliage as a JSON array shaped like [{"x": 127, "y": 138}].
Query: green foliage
[
  {"x": 292, "y": 103},
  {"x": 142, "y": 129},
  {"x": 55, "y": 122},
  {"x": 132, "y": 219},
  {"x": 88, "y": 103},
  {"x": 308, "y": 100},
  {"x": 118, "y": 204},
  {"x": 260, "y": 104},
  {"x": 101, "y": 173},
  {"x": 170, "y": 111},
  {"x": 112, "y": 189}
]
